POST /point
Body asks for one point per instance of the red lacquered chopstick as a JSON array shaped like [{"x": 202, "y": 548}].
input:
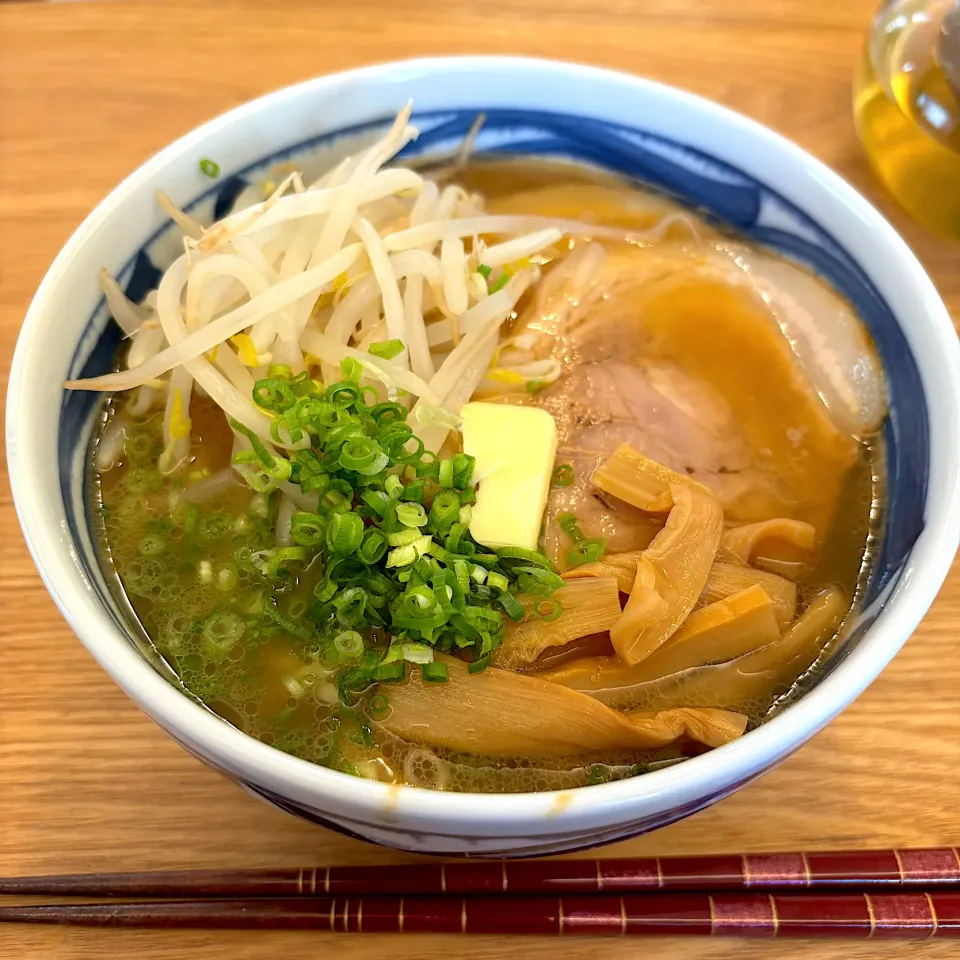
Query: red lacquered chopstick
[
  {"x": 848, "y": 870},
  {"x": 902, "y": 915}
]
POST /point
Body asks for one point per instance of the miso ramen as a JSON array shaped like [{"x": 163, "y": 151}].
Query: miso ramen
[{"x": 495, "y": 476}]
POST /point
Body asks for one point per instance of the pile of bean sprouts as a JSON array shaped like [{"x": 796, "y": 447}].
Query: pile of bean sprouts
[{"x": 365, "y": 257}]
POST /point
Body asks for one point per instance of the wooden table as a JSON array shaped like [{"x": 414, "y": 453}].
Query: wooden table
[{"x": 88, "y": 92}]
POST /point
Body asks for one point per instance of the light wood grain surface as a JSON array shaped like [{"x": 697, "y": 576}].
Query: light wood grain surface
[{"x": 89, "y": 91}]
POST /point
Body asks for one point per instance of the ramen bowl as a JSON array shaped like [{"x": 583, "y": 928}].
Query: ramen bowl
[{"x": 715, "y": 160}]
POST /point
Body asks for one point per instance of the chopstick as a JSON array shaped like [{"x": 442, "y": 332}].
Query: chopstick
[
  {"x": 900, "y": 915},
  {"x": 861, "y": 870}
]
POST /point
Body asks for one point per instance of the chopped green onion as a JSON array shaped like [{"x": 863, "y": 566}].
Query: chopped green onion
[
  {"x": 411, "y": 514},
  {"x": 375, "y": 499},
  {"x": 273, "y": 393},
  {"x": 547, "y": 609},
  {"x": 276, "y": 561},
  {"x": 344, "y": 533},
  {"x": 404, "y": 536},
  {"x": 351, "y": 369},
  {"x": 497, "y": 581},
  {"x": 527, "y": 556},
  {"x": 324, "y": 590},
  {"x": 374, "y": 546},
  {"x": 462, "y": 571},
  {"x": 349, "y": 645},
  {"x": 568, "y": 524},
  {"x": 377, "y": 556},
  {"x": 445, "y": 509},
  {"x": 387, "y": 349},
  {"x": 484, "y": 271},
  {"x": 403, "y": 556},
  {"x": 453, "y": 537},
  {"x": 420, "y": 653},
  {"x": 463, "y": 464},
  {"x": 563, "y": 475},
  {"x": 537, "y": 580},
  {"x": 193, "y": 518},
  {"x": 388, "y": 413},
  {"x": 478, "y": 666},
  {"x": 221, "y": 630},
  {"x": 378, "y": 706},
  {"x": 287, "y": 623},
  {"x": 511, "y": 606},
  {"x": 391, "y": 672},
  {"x": 413, "y": 492},
  {"x": 435, "y": 673},
  {"x": 151, "y": 545},
  {"x": 586, "y": 551},
  {"x": 308, "y": 529},
  {"x": 446, "y": 473},
  {"x": 358, "y": 453},
  {"x": 394, "y": 486},
  {"x": 209, "y": 168},
  {"x": 499, "y": 283}
]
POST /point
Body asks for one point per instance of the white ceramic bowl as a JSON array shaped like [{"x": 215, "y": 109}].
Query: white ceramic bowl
[{"x": 743, "y": 172}]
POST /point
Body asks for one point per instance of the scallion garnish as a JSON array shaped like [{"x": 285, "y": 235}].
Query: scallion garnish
[
  {"x": 389, "y": 534},
  {"x": 344, "y": 533},
  {"x": 387, "y": 349},
  {"x": 435, "y": 672},
  {"x": 349, "y": 645},
  {"x": 499, "y": 283},
  {"x": 209, "y": 168},
  {"x": 563, "y": 475},
  {"x": 586, "y": 551},
  {"x": 567, "y": 522}
]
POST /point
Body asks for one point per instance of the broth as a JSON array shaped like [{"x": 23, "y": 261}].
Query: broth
[{"x": 237, "y": 639}]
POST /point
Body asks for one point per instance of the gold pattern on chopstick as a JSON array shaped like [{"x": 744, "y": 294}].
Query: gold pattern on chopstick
[
  {"x": 560, "y": 913},
  {"x": 660, "y": 881},
  {"x": 463, "y": 916},
  {"x": 360, "y": 917},
  {"x": 873, "y": 919},
  {"x": 333, "y": 909},
  {"x": 774, "y": 914},
  {"x": 503, "y": 875},
  {"x": 326, "y": 880},
  {"x": 903, "y": 874},
  {"x": 956, "y": 854},
  {"x": 313, "y": 881},
  {"x": 443, "y": 878},
  {"x": 623, "y": 918},
  {"x": 300, "y": 881},
  {"x": 713, "y": 915},
  {"x": 933, "y": 915},
  {"x": 346, "y": 915},
  {"x": 599, "y": 877},
  {"x": 745, "y": 869},
  {"x": 807, "y": 872},
  {"x": 400, "y": 917}
]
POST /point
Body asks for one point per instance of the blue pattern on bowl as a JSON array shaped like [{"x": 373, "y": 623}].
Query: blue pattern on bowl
[{"x": 706, "y": 184}]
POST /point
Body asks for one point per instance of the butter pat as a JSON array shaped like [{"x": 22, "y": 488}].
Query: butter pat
[{"x": 515, "y": 448}]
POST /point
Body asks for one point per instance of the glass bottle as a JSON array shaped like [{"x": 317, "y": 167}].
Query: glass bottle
[{"x": 907, "y": 107}]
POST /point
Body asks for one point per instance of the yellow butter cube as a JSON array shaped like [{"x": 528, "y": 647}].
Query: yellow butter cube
[{"x": 515, "y": 449}]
